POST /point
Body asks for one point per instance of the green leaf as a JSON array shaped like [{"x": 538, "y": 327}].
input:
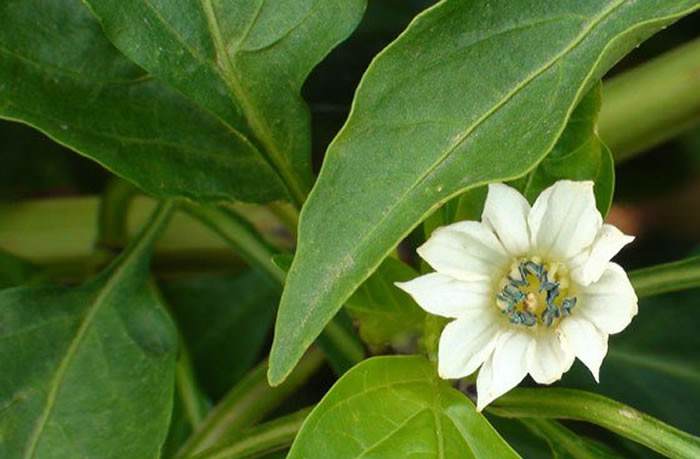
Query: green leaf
[
  {"x": 467, "y": 95},
  {"x": 61, "y": 75},
  {"x": 653, "y": 364},
  {"x": 614, "y": 416},
  {"x": 225, "y": 320},
  {"x": 102, "y": 353},
  {"x": 579, "y": 154},
  {"x": 396, "y": 407},
  {"x": 243, "y": 62},
  {"x": 386, "y": 315}
]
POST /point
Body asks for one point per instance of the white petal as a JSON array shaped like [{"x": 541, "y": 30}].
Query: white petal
[
  {"x": 587, "y": 342},
  {"x": 564, "y": 219},
  {"x": 446, "y": 296},
  {"x": 465, "y": 343},
  {"x": 547, "y": 359},
  {"x": 588, "y": 266},
  {"x": 465, "y": 250},
  {"x": 505, "y": 369},
  {"x": 609, "y": 303},
  {"x": 505, "y": 212}
]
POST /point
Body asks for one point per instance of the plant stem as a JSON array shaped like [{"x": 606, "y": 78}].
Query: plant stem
[
  {"x": 652, "y": 102},
  {"x": 112, "y": 225},
  {"x": 263, "y": 439},
  {"x": 240, "y": 235},
  {"x": 585, "y": 406},
  {"x": 193, "y": 402},
  {"x": 667, "y": 277},
  {"x": 342, "y": 348},
  {"x": 247, "y": 403}
]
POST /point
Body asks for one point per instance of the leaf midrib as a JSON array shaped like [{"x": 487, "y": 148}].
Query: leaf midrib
[
  {"x": 103, "y": 293},
  {"x": 270, "y": 149}
]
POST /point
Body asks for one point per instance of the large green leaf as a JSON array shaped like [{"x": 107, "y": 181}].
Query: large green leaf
[
  {"x": 88, "y": 371},
  {"x": 396, "y": 407},
  {"x": 242, "y": 61},
  {"x": 225, "y": 320},
  {"x": 578, "y": 155},
  {"x": 653, "y": 364},
  {"x": 469, "y": 93},
  {"x": 61, "y": 75}
]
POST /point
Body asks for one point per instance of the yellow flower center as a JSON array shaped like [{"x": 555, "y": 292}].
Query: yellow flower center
[{"x": 535, "y": 293}]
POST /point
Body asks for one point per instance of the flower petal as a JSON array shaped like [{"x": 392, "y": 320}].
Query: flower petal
[
  {"x": 446, "y": 296},
  {"x": 609, "y": 303},
  {"x": 564, "y": 219},
  {"x": 465, "y": 343},
  {"x": 587, "y": 342},
  {"x": 505, "y": 212},
  {"x": 547, "y": 359},
  {"x": 588, "y": 266},
  {"x": 465, "y": 250},
  {"x": 504, "y": 370}
]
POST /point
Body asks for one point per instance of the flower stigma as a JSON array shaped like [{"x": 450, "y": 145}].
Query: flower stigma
[{"x": 535, "y": 293}]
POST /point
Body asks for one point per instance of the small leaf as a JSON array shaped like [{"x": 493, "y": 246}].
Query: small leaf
[
  {"x": 465, "y": 96},
  {"x": 225, "y": 320},
  {"x": 88, "y": 371},
  {"x": 396, "y": 407},
  {"x": 579, "y": 154},
  {"x": 386, "y": 314}
]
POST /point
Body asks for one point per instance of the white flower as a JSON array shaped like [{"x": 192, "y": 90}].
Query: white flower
[{"x": 529, "y": 288}]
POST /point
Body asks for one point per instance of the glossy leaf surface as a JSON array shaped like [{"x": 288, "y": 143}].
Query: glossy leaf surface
[
  {"x": 436, "y": 114},
  {"x": 396, "y": 407},
  {"x": 102, "y": 353}
]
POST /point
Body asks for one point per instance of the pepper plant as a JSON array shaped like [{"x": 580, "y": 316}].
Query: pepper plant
[{"x": 232, "y": 292}]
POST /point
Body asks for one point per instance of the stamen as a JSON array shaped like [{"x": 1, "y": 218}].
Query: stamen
[{"x": 536, "y": 296}]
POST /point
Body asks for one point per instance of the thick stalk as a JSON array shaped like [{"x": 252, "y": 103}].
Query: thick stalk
[
  {"x": 241, "y": 236},
  {"x": 193, "y": 402},
  {"x": 342, "y": 348},
  {"x": 585, "y": 406},
  {"x": 263, "y": 439},
  {"x": 247, "y": 403},
  {"x": 652, "y": 102},
  {"x": 667, "y": 277}
]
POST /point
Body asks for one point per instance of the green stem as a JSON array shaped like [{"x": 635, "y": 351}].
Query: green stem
[
  {"x": 614, "y": 416},
  {"x": 112, "y": 226},
  {"x": 667, "y": 277},
  {"x": 263, "y": 439},
  {"x": 247, "y": 403},
  {"x": 240, "y": 235},
  {"x": 652, "y": 102},
  {"x": 342, "y": 347}
]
